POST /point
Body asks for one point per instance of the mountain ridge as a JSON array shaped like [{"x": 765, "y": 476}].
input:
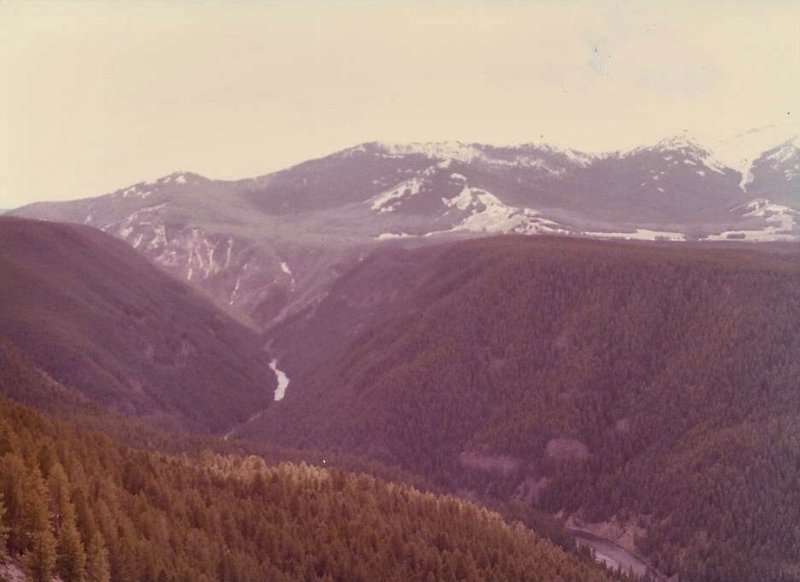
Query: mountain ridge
[{"x": 268, "y": 246}]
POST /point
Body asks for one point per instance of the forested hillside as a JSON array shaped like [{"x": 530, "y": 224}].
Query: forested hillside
[
  {"x": 78, "y": 505},
  {"x": 98, "y": 317},
  {"x": 655, "y": 384}
]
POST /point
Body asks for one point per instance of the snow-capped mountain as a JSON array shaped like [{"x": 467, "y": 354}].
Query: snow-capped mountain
[
  {"x": 269, "y": 245},
  {"x": 781, "y": 222},
  {"x": 776, "y": 174},
  {"x": 740, "y": 151}
]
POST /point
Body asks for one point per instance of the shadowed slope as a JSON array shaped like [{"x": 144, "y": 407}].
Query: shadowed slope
[{"x": 98, "y": 317}]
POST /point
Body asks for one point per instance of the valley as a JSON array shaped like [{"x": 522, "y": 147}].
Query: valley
[
  {"x": 399, "y": 291},
  {"x": 125, "y": 334},
  {"x": 455, "y": 316}
]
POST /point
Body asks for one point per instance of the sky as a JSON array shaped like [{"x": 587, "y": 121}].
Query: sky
[{"x": 98, "y": 95}]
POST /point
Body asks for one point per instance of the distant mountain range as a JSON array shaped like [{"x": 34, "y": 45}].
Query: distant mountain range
[
  {"x": 644, "y": 392},
  {"x": 268, "y": 246}
]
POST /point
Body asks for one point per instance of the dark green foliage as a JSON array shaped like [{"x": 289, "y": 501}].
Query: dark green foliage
[
  {"x": 154, "y": 517},
  {"x": 98, "y": 568},
  {"x": 39, "y": 555},
  {"x": 635, "y": 380},
  {"x": 3, "y": 529}
]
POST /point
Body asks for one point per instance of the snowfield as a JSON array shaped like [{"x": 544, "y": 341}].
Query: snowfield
[
  {"x": 640, "y": 234},
  {"x": 781, "y": 223}
]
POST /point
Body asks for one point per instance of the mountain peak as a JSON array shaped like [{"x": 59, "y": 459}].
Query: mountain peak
[
  {"x": 180, "y": 177},
  {"x": 532, "y": 154},
  {"x": 689, "y": 146},
  {"x": 682, "y": 141},
  {"x": 438, "y": 150}
]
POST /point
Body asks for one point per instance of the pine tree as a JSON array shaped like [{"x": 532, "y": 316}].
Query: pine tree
[
  {"x": 40, "y": 554},
  {"x": 71, "y": 562},
  {"x": 59, "y": 489},
  {"x": 98, "y": 568},
  {"x": 40, "y": 559},
  {"x": 3, "y": 529},
  {"x": 35, "y": 508},
  {"x": 12, "y": 475}
]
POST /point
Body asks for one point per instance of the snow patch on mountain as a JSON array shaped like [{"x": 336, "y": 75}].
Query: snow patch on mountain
[
  {"x": 389, "y": 200},
  {"x": 201, "y": 255},
  {"x": 489, "y": 214},
  {"x": 159, "y": 236},
  {"x": 177, "y": 178},
  {"x": 393, "y": 235},
  {"x": 525, "y": 155},
  {"x": 640, "y": 234},
  {"x": 787, "y": 158},
  {"x": 235, "y": 289},
  {"x": 229, "y": 253},
  {"x": 126, "y": 227},
  {"x": 453, "y": 150},
  {"x": 471, "y": 197},
  {"x": 135, "y": 191},
  {"x": 771, "y": 212},
  {"x": 693, "y": 151},
  {"x": 578, "y": 158},
  {"x": 781, "y": 222},
  {"x": 784, "y": 153},
  {"x": 238, "y": 283},
  {"x": 285, "y": 268},
  {"x": 738, "y": 152}
]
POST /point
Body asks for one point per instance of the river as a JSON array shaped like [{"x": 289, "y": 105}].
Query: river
[
  {"x": 614, "y": 555},
  {"x": 283, "y": 380},
  {"x": 280, "y": 392}
]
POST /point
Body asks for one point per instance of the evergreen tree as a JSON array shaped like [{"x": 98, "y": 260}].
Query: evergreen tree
[
  {"x": 12, "y": 474},
  {"x": 71, "y": 560},
  {"x": 40, "y": 559},
  {"x": 3, "y": 529},
  {"x": 98, "y": 568},
  {"x": 35, "y": 507}
]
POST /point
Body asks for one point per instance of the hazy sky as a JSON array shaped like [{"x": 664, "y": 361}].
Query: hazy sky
[{"x": 96, "y": 95}]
